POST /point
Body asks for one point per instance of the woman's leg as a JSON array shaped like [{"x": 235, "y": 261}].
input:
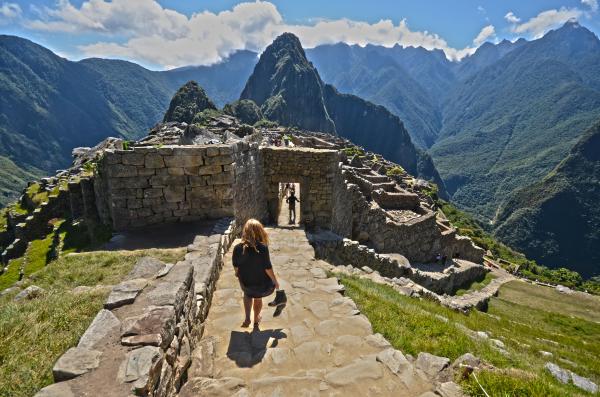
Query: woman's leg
[
  {"x": 257, "y": 309},
  {"x": 247, "y": 307}
]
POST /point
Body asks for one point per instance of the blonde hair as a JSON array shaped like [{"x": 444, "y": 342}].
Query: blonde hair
[{"x": 254, "y": 233}]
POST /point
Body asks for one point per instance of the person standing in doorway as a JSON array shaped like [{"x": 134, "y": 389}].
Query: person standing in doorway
[{"x": 291, "y": 200}]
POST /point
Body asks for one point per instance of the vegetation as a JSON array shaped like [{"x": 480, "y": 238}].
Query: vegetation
[
  {"x": 568, "y": 331},
  {"x": 246, "y": 110},
  {"x": 476, "y": 285},
  {"x": 204, "y": 117},
  {"x": 188, "y": 101},
  {"x": 511, "y": 259},
  {"x": 34, "y": 333},
  {"x": 396, "y": 170},
  {"x": 264, "y": 123},
  {"x": 354, "y": 151}
]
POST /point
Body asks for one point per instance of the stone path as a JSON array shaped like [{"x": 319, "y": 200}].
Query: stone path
[{"x": 318, "y": 346}]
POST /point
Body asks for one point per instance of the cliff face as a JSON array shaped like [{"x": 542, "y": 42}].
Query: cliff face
[{"x": 289, "y": 90}]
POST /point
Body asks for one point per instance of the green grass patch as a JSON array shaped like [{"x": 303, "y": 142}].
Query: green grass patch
[
  {"x": 477, "y": 285},
  {"x": 33, "y": 334},
  {"x": 3, "y": 219},
  {"x": 414, "y": 326},
  {"x": 396, "y": 170}
]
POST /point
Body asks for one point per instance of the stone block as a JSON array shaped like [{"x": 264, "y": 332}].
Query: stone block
[
  {"x": 146, "y": 267},
  {"x": 133, "y": 158},
  {"x": 128, "y": 183},
  {"x": 163, "y": 181},
  {"x": 176, "y": 171},
  {"x": 61, "y": 389},
  {"x": 125, "y": 293},
  {"x": 219, "y": 160},
  {"x": 102, "y": 325},
  {"x": 157, "y": 320},
  {"x": 210, "y": 170},
  {"x": 153, "y": 192},
  {"x": 225, "y": 150},
  {"x": 75, "y": 362},
  {"x": 174, "y": 194},
  {"x": 201, "y": 193},
  {"x": 142, "y": 368},
  {"x": 224, "y": 178},
  {"x": 134, "y": 203},
  {"x": 142, "y": 171},
  {"x": 154, "y": 160},
  {"x": 183, "y": 161},
  {"x": 191, "y": 170},
  {"x": 122, "y": 171},
  {"x": 212, "y": 151},
  {"x": 198, "y": 180}
]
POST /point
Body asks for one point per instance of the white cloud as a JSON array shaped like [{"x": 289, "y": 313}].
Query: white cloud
[
  {"x": 593, "y": 4},
  {"x": 485, "y": 33},
  {"x": 9, "y": 11},
  {"x": 546, "y": 20},
  {"x": 512, "y": 18},
  {"x": 143, "y": 30}
]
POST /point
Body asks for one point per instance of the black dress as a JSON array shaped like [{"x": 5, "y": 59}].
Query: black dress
[{"x": 251, "y": 270}]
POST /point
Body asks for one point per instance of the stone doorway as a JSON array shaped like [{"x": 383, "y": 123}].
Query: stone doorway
[{"x": 286, "y": 217}]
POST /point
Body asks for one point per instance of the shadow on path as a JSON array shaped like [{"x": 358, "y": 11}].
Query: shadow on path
[
  {"x": 249, "y": 348},
  {"x": 168, "y": 235}
]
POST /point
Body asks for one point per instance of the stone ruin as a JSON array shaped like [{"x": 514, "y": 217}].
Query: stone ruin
[{"x": 359, "y": 210}]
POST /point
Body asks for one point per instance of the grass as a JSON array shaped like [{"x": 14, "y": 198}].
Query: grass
[
  {"x": 414, "y": 326},
  {"x": 3, "y": 219},
  {"x": 34, "y": 333},
  {"x": 477, "y": 285}
]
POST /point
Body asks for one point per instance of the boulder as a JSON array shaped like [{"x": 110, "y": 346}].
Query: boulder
[
  {"x": 559, "y": 374},
  {"x": 102, "y": 325},
  {"x": 146, "y": 267},
  {"x": 75, "y": 362},
  {"x": 430, "y": 364},
  {"x": 30, "y": 292}
]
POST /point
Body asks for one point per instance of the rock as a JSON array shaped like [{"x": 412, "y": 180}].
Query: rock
[
  {"x": 367, "y": 269},
  {"x": 102, "y": 325},
  {"x": 220, "y": 387},
  {"x": 482, "y": 334},
  {"x": 75, "y": 362},
  {"x": 30, "y": 292},
  {"x": 498, "y": 343},
  {"x": 564, "y": 290},
  {"x": 449, "y": 389},
  {"x": 145, "y": 267},
  {"x": 545, "y": 354},
  {"x": 320, "y": 309},
  {"x": 142, "y": 367},
  {"x": 142, "y": 340},
  {"x": 317, "y": 272},
  {"x": 165, "y": 270},
  {"x": 61, "y": 389},
  {"x": 156, "y": 321},
  {"x": 560, "y": 374},
  {"x": 355, "y": 372},
  {"x": 430, "y": 364},
  {"x": 584, "y": 383},
  {"x": 467, "y": 359},
  {"x": 125, "y": 293},
  {"x": 393, "y": 359},
  {"x": 377, "y": 340}
]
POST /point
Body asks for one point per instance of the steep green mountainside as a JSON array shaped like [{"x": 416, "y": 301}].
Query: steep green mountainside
[
  {"x": 187, "y": 101},
  {"x": 556, "y": 220},
  {"x": 515, "y": 120},
  {"x": 287, "y": 87},
  {"x": 486, "y": 55},
  {"x": 289, "y": 90},
  {"x": 375, "y": 75}
]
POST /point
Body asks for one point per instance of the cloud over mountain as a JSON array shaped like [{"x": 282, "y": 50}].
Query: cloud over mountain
[{"x": 146, "y": 31}]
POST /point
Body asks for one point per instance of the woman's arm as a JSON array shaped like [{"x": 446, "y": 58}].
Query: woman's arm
[{"x": 271, "y": 275}]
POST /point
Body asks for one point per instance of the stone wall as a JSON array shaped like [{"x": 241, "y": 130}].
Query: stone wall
[
  {"x": 315, "y": 170},
  {"x": 141, "y": 342},
  {"x": 249, "y": 196},
  {"x": 149, "y": 185}
]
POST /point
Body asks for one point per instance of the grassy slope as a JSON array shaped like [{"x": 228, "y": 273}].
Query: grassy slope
[
  {"x": 411, "y": 326},
  {"x": 13, "y": 178},
  {"x": 33, "y": 334}
]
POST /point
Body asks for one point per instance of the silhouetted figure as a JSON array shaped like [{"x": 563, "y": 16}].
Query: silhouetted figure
[{"x": 291, "y": 200}]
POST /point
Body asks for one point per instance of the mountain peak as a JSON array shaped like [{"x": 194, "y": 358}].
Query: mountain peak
[{"x": 188, "y": 100}]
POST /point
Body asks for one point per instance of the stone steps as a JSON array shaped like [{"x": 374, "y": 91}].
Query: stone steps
[{"x": 319, "y": 345}]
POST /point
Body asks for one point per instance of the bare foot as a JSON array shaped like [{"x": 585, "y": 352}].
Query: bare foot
[{"x": 246, "y": 323}]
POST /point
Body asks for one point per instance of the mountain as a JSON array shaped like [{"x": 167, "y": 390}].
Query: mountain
[
  {"x": 187, "y": 101},
  {"x": 512, "y": 122},
  {"x": 49, "y": 105},
  {"x": 290, "y": 91},
  {"x": 374, "y": 73},
  {"x": 484, "y": 56},
  {"x": 287, "y": 87},
  {"x": 556, "y": 220}
]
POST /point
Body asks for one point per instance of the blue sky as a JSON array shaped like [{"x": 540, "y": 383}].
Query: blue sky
[{"x": 169, "y": 33}]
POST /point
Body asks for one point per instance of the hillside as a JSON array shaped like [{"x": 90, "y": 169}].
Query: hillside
[
  {"x": 516, "y": 119},
  {"x": 547, "y": 219},
  {"x": 290, "y": 91},
  {"x": 49, "y": 105}
]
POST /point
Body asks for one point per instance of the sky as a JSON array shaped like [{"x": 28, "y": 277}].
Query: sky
[{"x": 163, "y": 34}]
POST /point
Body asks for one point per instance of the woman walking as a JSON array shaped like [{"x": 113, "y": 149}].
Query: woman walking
[{"x": 254, "y": 271}]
